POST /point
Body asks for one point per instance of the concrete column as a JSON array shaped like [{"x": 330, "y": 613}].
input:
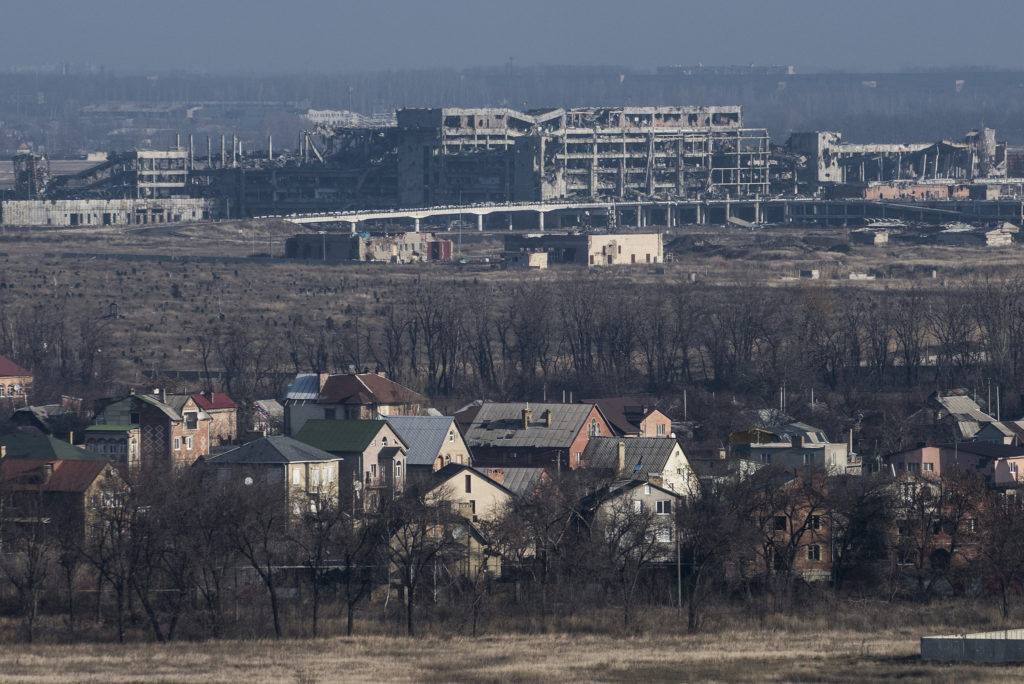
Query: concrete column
[
  {"x": 639, "y": 215},
  {"x": 508, "y": 218},
  {"x": 416, "y": 223},
  {"x": 540, "y": 218},
  {"x": 668, "y": 216},
  {"x": 352, "y": 224},
  {"x": 480, "y": 222}
]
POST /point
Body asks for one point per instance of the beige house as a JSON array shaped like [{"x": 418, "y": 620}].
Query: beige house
[
  {"x": 472, "y": 494},
  {"x": 371, "y": 453},
  {"x": 223, "y": 413},
  {"x": 349, "y": 396},
  {"x": 310, "y": 474},
  {"x": 432, "y": 442},
  {"x": 639, "y": 501},
  {"x": 648, "y": 459}
]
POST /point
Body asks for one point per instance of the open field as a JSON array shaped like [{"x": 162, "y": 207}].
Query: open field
[{"x": 731, "y": 656}]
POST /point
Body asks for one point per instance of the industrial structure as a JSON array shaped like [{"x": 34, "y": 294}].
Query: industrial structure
[{"x": 593, "y": 167}]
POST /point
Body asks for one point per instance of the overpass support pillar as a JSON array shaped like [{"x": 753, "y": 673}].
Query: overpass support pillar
[
  {"x": 540, "y": 219},
  {"x": 480, "y": 222},
  {"x": 352, "y": 226},
  {"x": 416, "y": 223},
  {"x": 508, "y": 218}
]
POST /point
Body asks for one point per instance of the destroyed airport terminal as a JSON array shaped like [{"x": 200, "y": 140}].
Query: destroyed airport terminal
[{"x": 601, "y": 168}]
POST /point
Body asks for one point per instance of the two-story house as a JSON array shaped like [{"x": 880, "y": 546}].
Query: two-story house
[
  {"x": 653, "y": 459},
  {"x": 223, "y": 413},
  {"x": 433, "y": 442},
  {"x": 349, "y": 396},
  {"x": 15, "y": 383},
  {"x": 792, "y": 446},
  {"x": 631, "y": 417},
  {"x": 530, "y": 435},
  {"x": 371, "y": 455},
  {"x": 172, "y": 430},
  {"x": 471, "y": 493}
]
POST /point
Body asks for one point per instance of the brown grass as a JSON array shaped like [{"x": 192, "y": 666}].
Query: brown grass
[{"x": 742, "y": 655}]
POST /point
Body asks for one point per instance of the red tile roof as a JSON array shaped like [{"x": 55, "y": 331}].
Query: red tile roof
[
  {"x": 68, "y": 476},
  {"x": 9, "y": 369},
  {"x": 211, "y": 401},
  {"x": 366, "y": 388}
]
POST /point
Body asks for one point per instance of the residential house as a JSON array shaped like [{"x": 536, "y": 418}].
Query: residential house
[
  {"x": 173, "y": 431},
  {"x": 1008, "y": 472},
  {"x": 55, "y": 492},
  {"x": 15, "y": 383},
  {"x": 795, "y": 533},
  {"x": 632, "y": 417},
  {"x": 372, "y": 456},
  {"x": 223, "y": 413},
  {"x": 530, "y": 435},
  {"x": 1010, "y": 432},
  {"x": 793, "y": 446},
  {"x": 432, "y": 442},
  {"x": 623, "y": 499},
  {"x": 61, "y": 419},
  {"x": 117, "y": 443},
  {"x": 267, "y": 417},
  {"x": 653, "y": 459},
  {"x": 935, "y": 461},
  {"x": 472, "y": 494},
  {"x": 349, "y": 396},
  {"x": 953, "y": 416},
  {"x": 309, "y": 473}
]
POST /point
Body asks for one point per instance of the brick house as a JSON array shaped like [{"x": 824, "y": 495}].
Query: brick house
[
  {"x": 349, "y": 396},
  {"x": 633, "y": 417},
  {"x": 172, "y": 430},
  {"x": 223, "y": 413},
  {"x": 529, "y": 435}
]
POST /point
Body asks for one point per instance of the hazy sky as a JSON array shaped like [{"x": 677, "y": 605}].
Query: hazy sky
[{"x": 329, "y": 37}]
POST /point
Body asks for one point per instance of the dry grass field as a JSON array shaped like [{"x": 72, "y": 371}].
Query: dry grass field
[{"x": 730, "y": 656}]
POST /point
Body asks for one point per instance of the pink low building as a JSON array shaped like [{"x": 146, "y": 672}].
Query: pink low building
[{"x": 933, "y": 461}]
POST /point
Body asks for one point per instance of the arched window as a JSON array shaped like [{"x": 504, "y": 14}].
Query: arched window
[{"x": 383, "y": 441}]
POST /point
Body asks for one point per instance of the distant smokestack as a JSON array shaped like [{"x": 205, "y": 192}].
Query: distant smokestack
[{"x": 270, "y": 148}]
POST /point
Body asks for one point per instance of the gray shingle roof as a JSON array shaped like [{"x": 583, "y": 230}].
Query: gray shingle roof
[
  {"x": 424, "y": 436},
  {"x": 274, "y": 449},
  {"x": 501, "y": 425},
  {"x": 650, "y": 454},
  {"x": 522, "y": 481}
]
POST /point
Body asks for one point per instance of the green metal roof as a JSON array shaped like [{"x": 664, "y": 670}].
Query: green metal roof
[
  {"x": 340, "y": 435},
  {"x": 45, "y": 447}
]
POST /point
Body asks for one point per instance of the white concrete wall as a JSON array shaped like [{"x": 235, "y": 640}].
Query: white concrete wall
[{"x": 95, "y": 213}]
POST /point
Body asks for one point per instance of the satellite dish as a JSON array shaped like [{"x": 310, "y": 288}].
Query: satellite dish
[
  {"x": 248, "y": 481},
  {"x": 457, "y": 533}
]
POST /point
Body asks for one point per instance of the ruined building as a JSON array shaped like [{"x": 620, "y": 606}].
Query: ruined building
[{"x": 458, "y": 156}]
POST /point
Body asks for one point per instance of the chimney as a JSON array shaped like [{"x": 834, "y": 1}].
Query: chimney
[
  {"x": 622, "y": 456},
  {"x": 47, "y": 472},
  {"x": 796, "y": 441},
  {"x": 321, "y": 380},
  {"x": 547, "y": 418},
  {"x": 527, "y": 417},
  {"x": 71, "y": 437},
  {"x": 496, "y": 474}
]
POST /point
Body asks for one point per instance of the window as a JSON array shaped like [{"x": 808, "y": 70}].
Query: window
[
  {"x": 383, "y": 441},
  {"x": 314, "y": 477},
  {"x": 191, "y": 420},
  {"x": 814, "y": 552},
  {"x": 638, "y": 506},
  {"x": 2, "y": 390},
  {"x": 133, "y": 418},
  {"x": 780, "y": 523},
  {"x": 188, "y": 443},
  {"x": 928, "y": 467},
  {"x": 296, "y": 476},
  {"x": 808, "y": 459},
  {"x": 971, "y": 525},
  {"x": 663, "y": 535},
  {"x": 647, "y": 490},
  {"x": 665, "y": 507},
  {"x": 398, "y": 471},
  {"x": 815, "y": 522},
  {"x": 451, "y": 436},
  {"x": 469, "y": 484},
  {"x": 766, "y": 458},
  {"x": 593, "y": 430},
  {"x": 373, "y": 470},
  {"x": 913, "y": 467},
  {"x": 661, "y": 429},
  {"x": 1013, "y": 468},
  {"x": 177, "y": 443}
]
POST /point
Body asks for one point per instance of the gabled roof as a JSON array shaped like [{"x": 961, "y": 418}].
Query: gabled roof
[
  {"x": 9, "y": 369},
  {"x": 501, "y": 425},
  {"x": 44, "y": 447},
  {"x": 66, "y": 476},
  {"x": 167, "y": 410},
  {"x": 617, "y": 489},
  {"x": 340, "y": 435},
  {"x": 642, "y": 454},
  {"x": 624, "y": 414},
  {"x": 366, "y": 388},
  {"x": 963, "y": 409},
  {"x": 424, "y": 436},
  {"x": 213, "y": 401},
  {"x": 522, "y": 482},
  {"x": 274, "y": 449},
  {"x": 305, "y": 387},
  {"x": 453, "y": 469}
]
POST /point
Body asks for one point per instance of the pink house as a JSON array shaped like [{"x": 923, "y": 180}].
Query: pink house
[{"x": 932, "y": 461}]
